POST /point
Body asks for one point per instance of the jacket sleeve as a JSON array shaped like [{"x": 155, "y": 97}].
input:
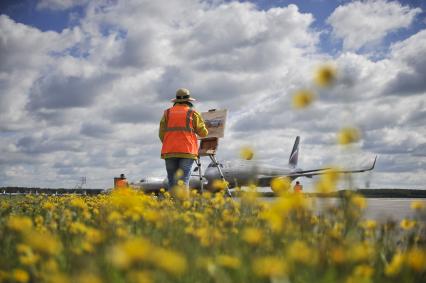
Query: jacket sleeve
[
  {"x": 199, "y": 125},
  {"x": 162, "y": 128}
]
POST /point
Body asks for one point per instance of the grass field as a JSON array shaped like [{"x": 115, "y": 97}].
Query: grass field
[{"x": 128, "y": 236}]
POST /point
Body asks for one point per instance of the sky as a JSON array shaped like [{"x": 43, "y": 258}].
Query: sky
[{"x": 83, "y": 85}]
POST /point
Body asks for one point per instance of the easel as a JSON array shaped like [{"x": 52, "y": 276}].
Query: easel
[{"x": 208, "y": 147}]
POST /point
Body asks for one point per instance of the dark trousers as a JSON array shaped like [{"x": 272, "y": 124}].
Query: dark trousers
[{"x": 173, "y": 165}]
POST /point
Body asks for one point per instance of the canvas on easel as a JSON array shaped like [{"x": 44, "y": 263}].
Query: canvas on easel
[
  {"x": 215, "y": 124},
  {"x": 215, "y": 121}
]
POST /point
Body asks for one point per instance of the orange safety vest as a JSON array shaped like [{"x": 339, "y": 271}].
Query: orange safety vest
[
  {"x": 179, "y": 135},
  {"x": 298, "y": 188},
  {"x": 121, "y": 183}
]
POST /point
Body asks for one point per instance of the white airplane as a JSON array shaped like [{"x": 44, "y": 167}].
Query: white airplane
[{"x": 243, "y": 173}]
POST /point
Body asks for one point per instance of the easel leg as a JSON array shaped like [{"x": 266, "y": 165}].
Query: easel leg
[
  {"x": 200, "y": 174},
  {"x": 213, "y": 158}
]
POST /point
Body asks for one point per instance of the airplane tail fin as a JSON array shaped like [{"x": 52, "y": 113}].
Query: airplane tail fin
[{"x": 294, "y": 156}]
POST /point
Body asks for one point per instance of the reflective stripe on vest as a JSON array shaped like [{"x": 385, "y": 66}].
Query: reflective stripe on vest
[{"x": 179, "y": 133}]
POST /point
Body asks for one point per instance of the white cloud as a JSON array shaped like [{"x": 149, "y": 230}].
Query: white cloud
[
  {"x": 25, "y": 53},
  {"x": 410, "y": 54},
  {"x": 361, "y": 23}
]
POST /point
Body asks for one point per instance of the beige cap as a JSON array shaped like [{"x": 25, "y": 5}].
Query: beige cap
[{"x": 183, "y": 95}]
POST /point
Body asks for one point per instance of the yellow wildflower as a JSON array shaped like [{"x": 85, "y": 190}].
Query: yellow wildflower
[
  {"x": 361, "y": 252},
  {"x": 178, "y": 174},
  {"x": 78, "y": 203},
  {"x": 300, "y": 252},
  {"x": 220, "y": 184},
  {"x": 246, "y": 153},
  {"x": 114, "y": 216},
  {"x": 280, "y": 185},
  {"x": 337, "y": 230},
  {"x": 56, "y": 277},
  {"x": 94, "y": 236},
  {"x": 181, "y": 191},
  {"x": 359, "y": 201},
  {"x": 19, "y": 223},
  {"x": 348, "y": 135},
  {"x": 77, "y": 228},
  {"x": 303, "y": 98},
  {"x": 418, "y": 205},
  {"x": 416, "y": 259},
  {"x": 269, "y": 266},
  {"x": 395, "y": 266},
  {"x": 48, "y": 205},
  {"x": 20, "y": 275},
  {"x": 43, "y": 242},
  {"x": 253, "y": 236},
  {"x": 29, "y": 258},
  {"x": 325, "y": 76},
  {"x": 369, "y": 224},
  {"x": 337, "y": 255},
  {"x": 228, "y": 261},
  {"x": 88, "y": 278},
  {"x": 50, "y": 265},
  {"x": 407, "y": 224},
  {"x": 170, "y": 261},
  {"x": 363, "y": 271},
  {"x": 132, "y": 250},
  {"x": 140, "y": 277}
]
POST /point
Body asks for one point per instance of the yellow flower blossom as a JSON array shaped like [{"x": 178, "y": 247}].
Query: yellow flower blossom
[
  {"x": 94, "y": 236},
  {"x": 252, "y": 235},
  {"x": 43, "y": 242},
  {"x": 395, "y": 266},
  {"x": 407, "y": 224},
  {"x": 337, "y": 255},
  {"x": 20, "y": 275},
  {"x": 303, "y": 98},
  {"x": 140, "y": 277},
  {"x": 220, "y": 184},
  {"x": 348, "y": 135},
  {"x": 361, "y": 252},
  {"x": 359, "y": 201},
  {"x": 227, "y": 261},
  {"x": 169, "y": 261},
  {"x": 78, "y": 203},
  {"x": 300, "y": 252},
  {"x": 29, "y": 258},
  {"x": 181, "y": 192},
  {"x": 416, "y": 259},
  {"x": 269, "y": 266},
  {"x": 88, "y": 278},
  {"x": 325, "y": 76},
  {"x": 19, "y": 223},
  {"x": 369, "y": 224},
  {"x": 418, "y": 205},
  {"x": 363, "y": 271},
  {"x": 132, "y": 250},
  {"x": 280, "y": 185},
  {"x": 246, "y": 153}
]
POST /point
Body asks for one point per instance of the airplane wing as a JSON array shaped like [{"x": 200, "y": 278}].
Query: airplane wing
[{"x": 266, "y": 180}]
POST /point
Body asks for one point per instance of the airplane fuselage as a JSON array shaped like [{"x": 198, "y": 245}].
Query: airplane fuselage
[{"x": 244, "y": 173}]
